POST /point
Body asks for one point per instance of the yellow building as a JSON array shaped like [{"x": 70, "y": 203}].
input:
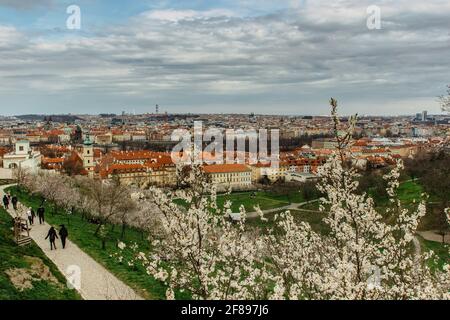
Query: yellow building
[{"x": 236, "y": 176}]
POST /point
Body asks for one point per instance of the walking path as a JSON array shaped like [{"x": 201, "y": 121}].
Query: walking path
[
  {"x": 96, "y": 283},
  {"x": 298, "y": 207},
  {"x": 417, "y": 248},
  {"x": 293, "y": 206},
  {"x": 432, "y": 235}
]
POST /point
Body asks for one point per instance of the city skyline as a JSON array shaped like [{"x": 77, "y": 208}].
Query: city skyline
[
  {"x": 164, "y": 112},
  {"x": 224, "y": 56}
]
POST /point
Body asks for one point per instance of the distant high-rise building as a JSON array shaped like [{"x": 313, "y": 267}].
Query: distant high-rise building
[{"x": 424, "y": 115}]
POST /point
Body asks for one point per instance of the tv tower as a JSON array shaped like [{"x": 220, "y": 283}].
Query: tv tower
[{"x": 157, "y": 109}]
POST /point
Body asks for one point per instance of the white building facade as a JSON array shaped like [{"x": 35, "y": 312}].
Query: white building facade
[{"x": 23, "y": 157}]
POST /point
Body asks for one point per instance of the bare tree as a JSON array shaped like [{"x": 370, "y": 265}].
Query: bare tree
[
  {"x": 108, "y": 199},
  {"x": 21, "y": 176}
]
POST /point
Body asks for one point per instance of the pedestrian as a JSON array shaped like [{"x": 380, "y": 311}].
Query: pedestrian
[
  {"x": 40, "y": 212},
  {"x": 30, "y": 217},
  {"x": 63, "y": 234},
  {"x": 52, "y": 236},
  {"x": 14, "y": 201},
  {"x": 33, "y": 214},
  {"x": 6, "y": 202}
]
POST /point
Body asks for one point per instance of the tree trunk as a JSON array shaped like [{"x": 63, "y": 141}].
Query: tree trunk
[
  {"x": 122, "y": 234},
  {"x": 98, "y": 228}
]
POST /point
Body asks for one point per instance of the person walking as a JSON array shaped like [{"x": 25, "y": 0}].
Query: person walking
[
  {"x": 63, "y": 234},
  {"x": 6, "y": 202},
  {"x": 40, "y": 212},
  {"x": 30, "y": 216},
  {"x": 14, "y": 202},
  {"x": 52, "y": 236}
]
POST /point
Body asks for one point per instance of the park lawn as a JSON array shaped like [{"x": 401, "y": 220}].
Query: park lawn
[
  {"x": 265, "y": 199},
  {"x": 249, "y": 202},
  {"x": 314, "y": 206},
  {"x": 15, "y": 257},
  {"x": 410, "y": 191},
  {"x": 440, "y": 249},
  {"x": 81, "y": 232},
  {"x": 312, "y": 218}
]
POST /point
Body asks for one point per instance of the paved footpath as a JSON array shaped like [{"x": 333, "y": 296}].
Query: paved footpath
[
  {"x": 95, "y": 282},
  {"x": 292, "y": 206},
  {"x": 432, "y": 235}
]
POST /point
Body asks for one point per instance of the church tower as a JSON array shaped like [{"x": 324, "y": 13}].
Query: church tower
[{"x": 88, "y": 156}]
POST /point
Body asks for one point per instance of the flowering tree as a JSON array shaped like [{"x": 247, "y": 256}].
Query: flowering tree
[
  {"x": 52, "y": 187},
  {"x": 126, "y": 215},
  {"x": 69, "y": 198},
  {"x": 107, "y": 200},
  {"x": 21, "y": 176},
  {"x": 200, "y": 250},
  {"x": 445, "y": 100},
  {"x": 146, "y": 215},
  {"x": 366, "y": 255},
  {"x": 445, "y": 105}
]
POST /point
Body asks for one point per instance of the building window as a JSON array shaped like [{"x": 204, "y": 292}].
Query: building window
[{"x": 21, "y": 148}]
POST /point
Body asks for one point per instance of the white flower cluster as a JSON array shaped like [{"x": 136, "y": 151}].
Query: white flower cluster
[{"x": 364, "y": 255}]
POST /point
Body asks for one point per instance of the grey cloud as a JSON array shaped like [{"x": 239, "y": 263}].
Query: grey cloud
[{"x": 285, "y": 57}]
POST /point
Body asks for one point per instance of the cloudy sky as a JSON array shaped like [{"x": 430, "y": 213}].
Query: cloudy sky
[{"x": 273, "y": 57}]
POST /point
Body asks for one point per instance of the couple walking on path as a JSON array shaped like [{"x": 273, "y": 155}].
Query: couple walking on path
[
  {"x": 7, "y": 199},
  {"x": 52, "y": 236},
  {"x": 31, "y": 215},
  {"x": 97, "y": 283}
]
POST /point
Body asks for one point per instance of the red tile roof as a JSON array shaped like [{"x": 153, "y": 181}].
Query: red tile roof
[{"x": 226, "y": 168}]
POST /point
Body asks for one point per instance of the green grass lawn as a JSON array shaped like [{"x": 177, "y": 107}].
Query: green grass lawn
[
  {"x": 312, "y": 206},
  {"x": 314, "y": 220},
  {"x": 13, "y": 257},
  {"x": 440, "y": 249},
  {"x": 265, "y": 199},
  {"x": 82, "y": 232},
  {"x": 410, "y": 191}
]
